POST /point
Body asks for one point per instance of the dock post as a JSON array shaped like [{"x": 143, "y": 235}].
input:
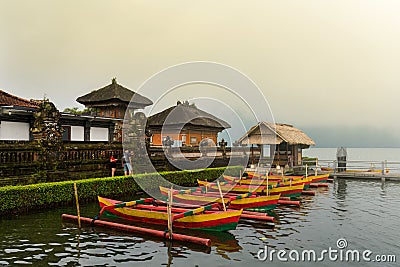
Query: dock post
[
  {"x": 169, "y": 212},
  {"x": 386, "y": 168},
  {"x": 383, "y": 168},
  {"x": 306, "y": 170},
  {"x": 341, "y": 156}
]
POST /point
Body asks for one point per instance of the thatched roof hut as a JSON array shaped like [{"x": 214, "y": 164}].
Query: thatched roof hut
[
  {"x": 286, "y": 142},
  {"x": 266, "y": 133},
  {"x": 113, "y": 94}
]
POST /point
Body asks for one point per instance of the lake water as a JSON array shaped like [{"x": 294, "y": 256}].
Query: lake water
[{"x": 365, "y": 213}]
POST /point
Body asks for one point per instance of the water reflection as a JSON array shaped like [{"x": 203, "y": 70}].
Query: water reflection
[
  {"x": 169, "y": 253},
  {"x": 383, "y": 186},
  {"x": 341, "y": 189},
  {"x": 222, "y": 241}
]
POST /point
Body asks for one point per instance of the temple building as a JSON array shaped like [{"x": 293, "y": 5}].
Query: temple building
[
  {"x": 16, "y": 117},
  {"x": 112, "y": 100},
  {"x": 17, "y": 120},
  {"x": 185, "y": 124}
]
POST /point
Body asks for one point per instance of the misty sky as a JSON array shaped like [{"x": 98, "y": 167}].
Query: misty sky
[{"x": 329, "y": 67}]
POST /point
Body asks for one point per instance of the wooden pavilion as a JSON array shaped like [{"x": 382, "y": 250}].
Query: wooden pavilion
[
  {"x": 185, "y": 124},
  {"x": 286, "y": 142},
  {"x": 112, "y": 100}
]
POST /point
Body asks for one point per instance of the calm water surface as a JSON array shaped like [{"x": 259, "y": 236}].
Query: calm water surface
[{"x": 366, "y": 214}]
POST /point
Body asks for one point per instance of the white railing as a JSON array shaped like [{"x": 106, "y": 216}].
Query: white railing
[{"x": 335, "y": 166}]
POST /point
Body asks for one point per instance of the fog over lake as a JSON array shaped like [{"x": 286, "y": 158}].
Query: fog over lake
[{"x": 327, "y": 67}]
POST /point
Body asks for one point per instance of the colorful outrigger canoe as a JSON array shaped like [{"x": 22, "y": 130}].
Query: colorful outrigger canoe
[
  {"x": 305, "y": 181},
  {"x": 273, "y": 176},
  {"x": 273, "y": 183},
  {"x": 254, "y": 181},
  {"x": 285, "y": 191},
  {"x": 235, "y": 201},
  {"x": 210, "y": 220},
  {"x": 288, "y": 191},
  {"x": 322, "y": 178}
]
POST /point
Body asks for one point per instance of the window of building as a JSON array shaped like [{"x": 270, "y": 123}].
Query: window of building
[
  {"x": 183, "y": 138},
  {"x": 193, "y": 140},
  {"x": 66, "y": 135}
]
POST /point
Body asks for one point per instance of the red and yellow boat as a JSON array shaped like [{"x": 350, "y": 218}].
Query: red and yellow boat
[
  {"x": 285, "y": 191},
  {"x": 235, "y": 201},
  {"x": 322, "y": 178},
  {"x": 274, "y": 177},
  {"x": 210, "y": 220},
  {"x": 305, "y": 181},
  {"x": 251, "y": 181},
  {"x": 271, "y": 183}
]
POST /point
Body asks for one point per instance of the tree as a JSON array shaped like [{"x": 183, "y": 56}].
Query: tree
[
  {"x": 76, "y": 111},
  {"x": 73, "y": 110}
]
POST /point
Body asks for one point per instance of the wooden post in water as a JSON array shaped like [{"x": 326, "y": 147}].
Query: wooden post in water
[
  {"x": 306, "y": 170},
  {"x": 169, "y": 212},
  {"x": 77, "y": 205},
  {"x": 386, "y": 167},
  {"x": 316, "y": 166},
  {"x": 383, "y": 168},
  {"x": 220, "y": 194}
]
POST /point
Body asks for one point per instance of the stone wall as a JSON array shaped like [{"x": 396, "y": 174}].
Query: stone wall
[{"x": 20, "y": 161}]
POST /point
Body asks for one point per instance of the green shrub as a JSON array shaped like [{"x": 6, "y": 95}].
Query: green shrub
[{"x": 27, "y": 197}]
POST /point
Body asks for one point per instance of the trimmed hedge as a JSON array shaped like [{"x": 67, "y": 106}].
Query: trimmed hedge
[{"x": 14, "y": 199}]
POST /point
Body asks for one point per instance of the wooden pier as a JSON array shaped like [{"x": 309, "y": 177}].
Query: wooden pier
[
  {"x": 356, "y": 169},
  {"x": 367, "y": 176}
]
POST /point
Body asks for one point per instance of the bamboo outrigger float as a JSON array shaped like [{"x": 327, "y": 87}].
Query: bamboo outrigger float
[{"x": 139, "y": 230}]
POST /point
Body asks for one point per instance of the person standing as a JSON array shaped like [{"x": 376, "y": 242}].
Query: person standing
[
  {"x": 113, "y": 165},
  {"x": 127, "y": 162}
]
